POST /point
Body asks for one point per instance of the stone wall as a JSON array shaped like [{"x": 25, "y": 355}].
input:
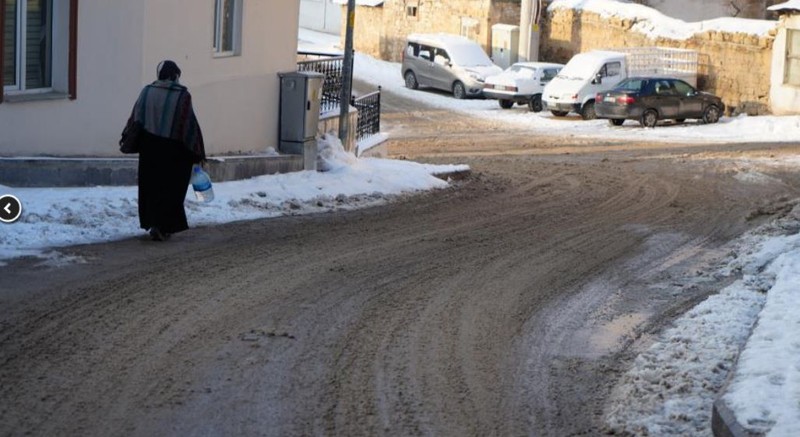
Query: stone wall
[
  {"x": 734, "y": 66},
  {"x": 381, "y": 31}
]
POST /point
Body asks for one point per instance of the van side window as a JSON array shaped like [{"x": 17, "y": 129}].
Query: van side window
[
  {"x": 442, "y": 58},
  {"x": 611, "y": 69},
  {"x": 426, "y": 52},
  {"x": 412, "y": 49}
]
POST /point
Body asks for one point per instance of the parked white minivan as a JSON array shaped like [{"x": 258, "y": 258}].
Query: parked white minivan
[{"x": 448, "y": 62}]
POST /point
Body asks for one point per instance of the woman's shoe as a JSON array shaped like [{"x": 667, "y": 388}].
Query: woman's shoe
[{"x": 157, "y": 235}]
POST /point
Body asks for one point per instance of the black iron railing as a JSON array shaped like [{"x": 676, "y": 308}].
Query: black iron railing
[
  {"x": 368, "y": 106},
  {"x": 331, "y": 67},
  {"x": 369, "y": 114}
]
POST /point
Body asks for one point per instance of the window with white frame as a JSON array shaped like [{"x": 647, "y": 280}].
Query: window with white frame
[
  {"x": 28, "y": 52},
  {"x": 227, "y": 27},
  {"x": 791, "y": 70}
]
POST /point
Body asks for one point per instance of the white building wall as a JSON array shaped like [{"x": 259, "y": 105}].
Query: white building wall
[
  {"x": 236, "y": 98},
  {"x": 110, "y": 47},
  {"x": 321, "y": 15},
  {"x": 784, "y": 99},
  {"x": 120, "y": 43}
]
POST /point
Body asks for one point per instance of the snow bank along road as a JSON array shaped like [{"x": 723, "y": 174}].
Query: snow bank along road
[{"x": 508, "y": 304}]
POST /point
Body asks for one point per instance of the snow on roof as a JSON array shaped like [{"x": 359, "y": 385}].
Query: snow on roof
[
  {"x": 791, "y": 5},
  {"x": 657, "y": 25},
  {"x": 372, "y": 3},
  {"x": 535, "y": 64}
]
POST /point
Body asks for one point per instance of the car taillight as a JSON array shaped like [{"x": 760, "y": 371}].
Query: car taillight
[
  {"x": 598, "y": 97},
  {"x": 625, "y": 100}
]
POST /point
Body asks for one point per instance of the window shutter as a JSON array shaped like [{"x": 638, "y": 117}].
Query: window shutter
[{"x": 2, "y": 46}]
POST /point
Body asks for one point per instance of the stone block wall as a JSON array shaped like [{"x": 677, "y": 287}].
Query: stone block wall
[
  {"x": 734, "y": 66},
  {"x": 381, "y": 31}
]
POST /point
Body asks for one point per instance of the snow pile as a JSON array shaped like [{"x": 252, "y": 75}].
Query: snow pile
[
  {"x": 764, "y": 392},
  {"x": 58, "y": 217},
  {"x": 671, "y": 387},
  {"x": 654, "y": 24},
  {"x": 331, "y": 154}
]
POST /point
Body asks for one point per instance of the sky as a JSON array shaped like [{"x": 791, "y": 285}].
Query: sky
[{"x": 669, "y": 387}]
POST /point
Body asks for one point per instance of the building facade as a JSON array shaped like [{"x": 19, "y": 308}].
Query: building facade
[
  {"x": 785, "y": 81},
  {"x": 321, "y": 15},
  {"x": 72, "y": 69},
  {"x": 693, "y": 10}
]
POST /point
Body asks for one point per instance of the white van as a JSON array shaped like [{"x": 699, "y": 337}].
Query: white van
[
  {"x": 451, "y": 63},
  {"x": 575, "y": 86},
  {"x": 586, "y": 74}
]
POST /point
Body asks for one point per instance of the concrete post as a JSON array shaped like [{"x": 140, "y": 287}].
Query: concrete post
[
  {"x": 347, "y": 72},
  {"x": 530, "y": 14}
]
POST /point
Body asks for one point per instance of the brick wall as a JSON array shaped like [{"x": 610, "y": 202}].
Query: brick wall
[{"x": 734, "y": 66}]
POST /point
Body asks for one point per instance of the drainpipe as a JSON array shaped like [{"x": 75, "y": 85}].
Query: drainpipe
[{"x": 347, "y": 73}]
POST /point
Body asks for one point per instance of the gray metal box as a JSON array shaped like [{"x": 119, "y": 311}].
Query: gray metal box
[{"x": 301, "y": 92}]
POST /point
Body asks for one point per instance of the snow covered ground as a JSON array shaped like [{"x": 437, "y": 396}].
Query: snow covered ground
[
  {"x": 669, "y": 388},
  {"x": 57, "y": 217}
]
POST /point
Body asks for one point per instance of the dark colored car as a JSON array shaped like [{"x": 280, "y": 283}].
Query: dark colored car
[{"x": 650, "y": 99}]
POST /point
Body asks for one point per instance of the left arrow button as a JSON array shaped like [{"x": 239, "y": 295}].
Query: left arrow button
[{"x": 10, "y": 208}]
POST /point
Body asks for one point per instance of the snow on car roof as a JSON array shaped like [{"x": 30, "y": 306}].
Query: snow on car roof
[
  {"x": 584, "y": 65},
  {"x": 462, "y": 50},
  {"x": 534, "y": 64}
]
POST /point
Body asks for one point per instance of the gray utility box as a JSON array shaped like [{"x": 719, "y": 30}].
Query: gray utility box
[
  {"x": 505, "y": 44},
  {"x": 301, "y": 92}
]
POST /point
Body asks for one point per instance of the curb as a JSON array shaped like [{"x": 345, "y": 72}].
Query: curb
[
  {"x": 88, "y": 172},
  {"x": 724, "y": 423}
]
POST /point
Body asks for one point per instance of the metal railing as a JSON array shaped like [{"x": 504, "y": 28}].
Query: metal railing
[
  {"x": 369, "y": 114},
  {"x": 331, "y": 67},
  {"x": 368, "y": 106}
]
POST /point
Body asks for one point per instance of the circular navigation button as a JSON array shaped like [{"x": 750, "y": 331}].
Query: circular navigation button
[{"x": 10, "y": 208}]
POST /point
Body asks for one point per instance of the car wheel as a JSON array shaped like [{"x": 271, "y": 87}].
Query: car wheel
[
  {"x": 411, "y": 80},
  {"x": 535, "y": 103},
  {"x": 559, "y": 113},
  {"x": 616, "y": 121},
  {"x": 711, "y": 115},
  {"x": 649, "y": 118},
  {"x": 506, "y": 104},
  {"x": 587, "y": 112},
  {"x": 459, "y": 91}
]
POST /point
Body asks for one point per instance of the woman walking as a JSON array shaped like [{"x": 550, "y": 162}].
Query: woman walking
[{"x": 169, "y": 144}]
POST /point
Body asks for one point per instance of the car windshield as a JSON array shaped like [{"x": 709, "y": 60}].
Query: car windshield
[{"x": 469, "y": 55}]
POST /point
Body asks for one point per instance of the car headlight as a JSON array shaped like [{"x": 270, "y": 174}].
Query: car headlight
[{"x": 476, "y": 76}]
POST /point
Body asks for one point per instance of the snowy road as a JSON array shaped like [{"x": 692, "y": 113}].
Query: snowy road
[{"x": 506, "y": 305}]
